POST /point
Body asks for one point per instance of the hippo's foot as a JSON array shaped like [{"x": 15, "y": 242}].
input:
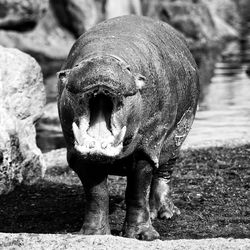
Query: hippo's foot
[
  {"x": 161, "y": 204},
  {"x": 94, "y": 230},
  {"x": 143, "y": 231},
  {"x": 95, "y": 223},
  {"x": 137, "y": 222}
]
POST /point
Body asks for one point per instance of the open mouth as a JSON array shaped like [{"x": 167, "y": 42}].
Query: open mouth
[{"x": 99, "y": 132}]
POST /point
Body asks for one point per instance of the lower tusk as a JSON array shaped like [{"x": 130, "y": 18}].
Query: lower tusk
[
  {"x": 76, "y": 132},
  {"x": 120, "y": 136}
]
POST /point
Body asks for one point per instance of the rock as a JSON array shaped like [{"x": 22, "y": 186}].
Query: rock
[
  {"x": 21, "y": 14},
  {"x": 50, "y": 83},
  {"x": 115, "y": 8},
  {"x": 192, "y": 19},
  {"x": 48, "y": 43},
  {"x": 50, "y": 119},
  {"x": 49, "y": 131},
  {"x": 76, "y": 15},
  {"x": 225, "y": 14},
  {"x": 56, "y": 159},
  {"x": 22, "y": 98}
]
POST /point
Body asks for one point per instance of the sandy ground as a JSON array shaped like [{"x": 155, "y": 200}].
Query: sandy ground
[{"x": 69, "y": 241}]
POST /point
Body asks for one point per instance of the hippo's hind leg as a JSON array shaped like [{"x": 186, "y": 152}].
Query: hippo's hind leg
[
  {"x": 161, "y": 204},
  {"x": 137, "y": 222}
]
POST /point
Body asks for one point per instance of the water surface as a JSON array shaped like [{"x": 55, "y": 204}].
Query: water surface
[{"x": 224, "y": 113}]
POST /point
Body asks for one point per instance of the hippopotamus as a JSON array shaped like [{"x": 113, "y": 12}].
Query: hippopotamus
[{"x": 128, "y": 94}]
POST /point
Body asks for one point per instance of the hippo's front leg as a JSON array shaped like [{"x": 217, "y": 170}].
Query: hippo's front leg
[
  {"x": 137, "y": 222},
  {"x": 94, "y": 180}
]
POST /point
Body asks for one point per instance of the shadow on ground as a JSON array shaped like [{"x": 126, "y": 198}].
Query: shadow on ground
[{"x": 211, "y": 188}]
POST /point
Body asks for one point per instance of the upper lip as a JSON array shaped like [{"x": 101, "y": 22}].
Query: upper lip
[{"x": 100, "y": 88}]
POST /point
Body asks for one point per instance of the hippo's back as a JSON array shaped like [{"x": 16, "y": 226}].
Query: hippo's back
[{"x": 129, "y": 37}]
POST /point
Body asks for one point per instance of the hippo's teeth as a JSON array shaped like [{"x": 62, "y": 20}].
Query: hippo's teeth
[
  {"x": 119, "y": 138},
  {"x": 86, "y": 144},
  {"x": 77, "y": 132}
]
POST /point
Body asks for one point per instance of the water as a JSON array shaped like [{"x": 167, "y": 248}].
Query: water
[{"x": 224, "y": 114}]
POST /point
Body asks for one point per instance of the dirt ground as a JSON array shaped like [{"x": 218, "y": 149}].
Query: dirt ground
[{"x": 210, "y": 186}]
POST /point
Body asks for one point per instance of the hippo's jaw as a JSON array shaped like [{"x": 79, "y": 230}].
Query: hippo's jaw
[{"x": 98, "y": 132}]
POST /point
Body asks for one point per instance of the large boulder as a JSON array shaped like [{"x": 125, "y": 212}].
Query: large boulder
[
  {"x": 76, "y": 15},
  {"x": 115, "y": 8},
  {"x": 225, "y": 14},
  {"x": 21, "y": 14},
  {"x": 22, "y": 98},
  {"x": 48, "y": 42},
  {"x": 194, "y": 20}
]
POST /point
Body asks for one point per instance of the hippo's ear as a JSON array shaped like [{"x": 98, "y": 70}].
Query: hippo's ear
[
  {"x": 63, "y": 75},
  {"x": 63, "y": 79},
  {"x": 140, "y": 81}
]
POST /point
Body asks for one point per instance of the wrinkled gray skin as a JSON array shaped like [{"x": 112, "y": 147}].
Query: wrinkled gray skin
[{"x": 128, "y": 93}]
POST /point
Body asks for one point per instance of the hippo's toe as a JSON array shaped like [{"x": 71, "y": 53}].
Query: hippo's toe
[
  {"x": 94, "y": 231},
  {"x": 165, "y": 211},
  {"x": 141, "y": 232}
]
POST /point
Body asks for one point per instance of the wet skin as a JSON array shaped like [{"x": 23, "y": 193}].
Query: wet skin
[{"x": 127, "y": 98}]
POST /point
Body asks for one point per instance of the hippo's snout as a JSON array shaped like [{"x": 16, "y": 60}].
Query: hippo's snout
[{"x": 98, "y": 131}]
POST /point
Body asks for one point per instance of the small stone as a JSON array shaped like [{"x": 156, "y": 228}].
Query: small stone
[
  {"x": 104, "y": 145},
  {"x": 92, "y": 144}
]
